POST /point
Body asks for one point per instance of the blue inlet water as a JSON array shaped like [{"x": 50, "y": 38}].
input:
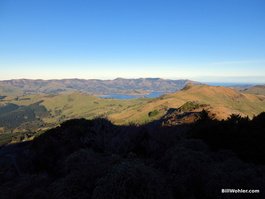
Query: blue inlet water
[
  {"x": 157, "y": 94},
  {"x": 153, "y": 94}
]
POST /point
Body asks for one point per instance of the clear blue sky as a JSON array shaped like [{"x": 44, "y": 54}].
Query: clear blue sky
[{"x": 198, "y": 39}]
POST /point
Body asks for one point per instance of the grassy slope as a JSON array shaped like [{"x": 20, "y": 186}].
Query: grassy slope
[
  {"x": 257, "y": 90},
  {"x": 10, "y": 90},
  {"x": 223, "y": 101},
  {"x": 78, "y": 105}
]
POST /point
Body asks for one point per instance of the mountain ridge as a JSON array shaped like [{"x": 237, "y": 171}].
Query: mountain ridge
[{"x": 91, "y": 86}]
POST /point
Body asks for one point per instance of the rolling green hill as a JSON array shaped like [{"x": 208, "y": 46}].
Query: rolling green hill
[
  {"x": 222, "y": 101},
  {"x": 50, "y": 110},
  {"x": 53, "y": 109},
  {"x": 257, "y": 90}
]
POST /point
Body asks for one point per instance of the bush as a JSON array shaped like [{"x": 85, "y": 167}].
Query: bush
[
  {"x": 132, "y": 179},
  {"x": 72, "y": 186},
  {"x": 31, "y": 186},
  {"x": 153, "y": 113},
  {"x": 190, "y": 106},
  {"x": 188, "y": 171},
  {"x": 82, "y": 168},
  {"x": 238, "y": 134}
]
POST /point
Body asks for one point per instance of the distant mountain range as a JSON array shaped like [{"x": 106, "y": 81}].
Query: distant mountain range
[{"x": 92, "y": 86}]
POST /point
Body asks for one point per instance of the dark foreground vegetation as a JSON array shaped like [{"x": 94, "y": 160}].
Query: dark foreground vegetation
[{"x": 96, "y": 159}]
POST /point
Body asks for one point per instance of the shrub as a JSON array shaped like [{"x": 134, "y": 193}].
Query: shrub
[
  {"x": 74, "y": 185},
  {"x": 82, "y": 168},
  {"x": 190, "y": 106},
  {"x": 188, "y": 171},
  {"x": 153, "y": 113},
  {"x": 132, "y": 179},
  {"x": 31, "y": 186}
]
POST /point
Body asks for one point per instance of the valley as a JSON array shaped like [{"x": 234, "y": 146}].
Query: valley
[
  {"x": 132, "y": 99},
  {"x": 30, "y": 114}
]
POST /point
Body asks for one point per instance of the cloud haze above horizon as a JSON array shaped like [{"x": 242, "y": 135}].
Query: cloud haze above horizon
[{"x": 203, "y": 40}]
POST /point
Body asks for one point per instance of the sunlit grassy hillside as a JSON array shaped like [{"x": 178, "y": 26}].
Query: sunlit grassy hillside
[
  {"x": 258, "y": 90},
  {"x": 222, "y": 102}
]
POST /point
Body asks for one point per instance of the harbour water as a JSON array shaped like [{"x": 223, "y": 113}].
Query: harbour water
[{"x": 150, "y": 95}]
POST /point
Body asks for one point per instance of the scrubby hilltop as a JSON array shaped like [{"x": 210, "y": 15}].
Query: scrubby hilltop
[
  {"x": 98, "y": 160},
  {"x": 224, "y": 100},
  {"x": 220, "y": 101}
]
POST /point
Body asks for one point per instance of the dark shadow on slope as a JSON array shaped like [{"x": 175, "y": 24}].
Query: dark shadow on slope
[{"x": 96, "y": 159}]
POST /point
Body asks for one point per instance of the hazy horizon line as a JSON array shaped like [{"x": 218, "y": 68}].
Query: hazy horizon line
[{"x": 220, "y": 79}]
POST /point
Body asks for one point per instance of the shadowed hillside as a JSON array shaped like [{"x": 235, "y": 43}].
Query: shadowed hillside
[{"x": 96, "y": 159}]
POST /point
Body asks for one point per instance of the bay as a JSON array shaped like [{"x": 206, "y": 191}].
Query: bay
[{"x": 150, "y": 95}]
